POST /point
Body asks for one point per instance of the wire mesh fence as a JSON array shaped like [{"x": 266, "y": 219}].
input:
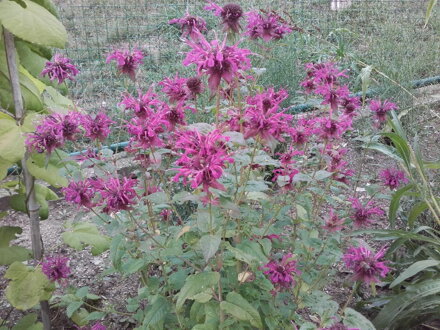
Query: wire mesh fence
[{"x": 387, "y": 34}]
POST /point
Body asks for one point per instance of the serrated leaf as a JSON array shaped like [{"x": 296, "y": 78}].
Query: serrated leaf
[
  {"x": 85, "y": 233},
  {"x": 241, "y": 309},
  {"x": 209, "y": 245},
  {"x": 7, "y": 234},
  {"x": 195, "y": 284},
  {"x": 33, "y": 23},
  {"x": 249, "y": 252},
  {"x": 28, "y": 286},
  {"x": 80, "y": 317},
  {"x": 156, "y": 311},
  {"x": 413, "y": 270},
  {"x": 73, "y": 307},
  {"x": 10, "y": 254},
  {"x": 55, "y": 101},
  {"x": 353, "y": 319}
]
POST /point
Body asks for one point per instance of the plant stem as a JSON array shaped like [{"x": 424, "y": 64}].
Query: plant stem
[{"x": 355, "y": 287}]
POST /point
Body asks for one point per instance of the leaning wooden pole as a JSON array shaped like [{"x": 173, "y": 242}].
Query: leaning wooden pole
[{"x": 31, "y": 201}]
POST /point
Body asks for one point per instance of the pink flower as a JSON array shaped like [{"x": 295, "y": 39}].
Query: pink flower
[
  {"x": 230, "y": 14},
  {"x": 281, "y": 273},
  {"x": 364, "y": 214},
  {"x": 189, "y": 24},
  {"x": 329, "y": 129},
  {"x": 98, "y": 326},
  {"x": 175, "y": 115},
  {"x": 393, "y": 178},
  {"x": 350, "y": 105},
  {"x": 267, "y": 27},
  {"x": 166, "y": 214},
  {"x": 380, "y": 109},
  {"x": 80, "y": 193},
  {"x": 285, "y": 177},
  {"x": 61, "y": 68},
  {"x": 56, "y": 268},
  {"x": 146, "y": 131},
  {"x": 47, "y": 137},
  {"x": 97, "y": 127},
  {"x": 332, "y": 94},
  {"x": 263, "y": 119},
  {"x": 126, "y": 61},
  {"x": 333, "y": 223},
  {"x": 217, "y": 60},
  {"x": 203, "y": 160},
  {"x": 301, "y": 131},
  {"x": 366, "y": 266},
  {"x": 195, "y": 87},
  {"x": 116, "y": 194},
  {"x": 175, "y": 88},
  {"x": 144, "y": 105}
]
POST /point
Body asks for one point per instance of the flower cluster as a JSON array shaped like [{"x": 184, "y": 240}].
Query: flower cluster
[
  {"x": 269, "y": 26},
  {"x": 217, "y": 60},
  {"x": 60, "y": 68},
  {"x": 189, "y": 25},
  {"x": 363, "y": 215},
  {"x": 393, "y": 178},
  {"x": 281, "y": 273},
  {"x": 230, "y": 14},
  {"x": 380, "y": 109},
  {"x": 56, "y": 129},
  {"x": 365, "y": 264},
  {"x": 203, "y": 159},
  {"x": 56, "y": 268},
  {"x": 126, "y": 61}
]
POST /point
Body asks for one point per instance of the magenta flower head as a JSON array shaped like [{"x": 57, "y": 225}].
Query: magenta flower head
[
  {"x": 267, "y": 27},
  {"x": 365, "y": 265},
  {"x": 380, "y": 109},
  {"x": 189, "y": 24},
  {"x": 230, "y": 14},
  {"x": 393, "y": 178},
  {"x": 126, "y": 61},
  {"x": 60, "y": 68},
  {"x": 98, "y": 326},
  {"x": 97, "y": 127},
  {"x": 281, "y": 273},
  {"x": 145, "y": 132},
  {"x": 350, "y": 105},
  {"x": 80, "y": 193},
  {"x": 47, "y": 136},
  {"x": 363, "y": 215},
  {"x": 203, "y": 160},
  {"x": 144, "y": 105},
  {"x": 116, "y": 194},
  {"x": 333, "y": 223},
  {"x": 217, "y": 60},
  {"x": 56, "y": 268},
  {"x": 175, "y": 88},
  {"x": 194, "y": 86},
  {"x": 330, "y": 129},
  {"x": 332, "y": 94}
]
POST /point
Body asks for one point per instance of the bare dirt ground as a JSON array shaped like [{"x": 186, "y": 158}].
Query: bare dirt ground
[{"x": 115, "y": 290}]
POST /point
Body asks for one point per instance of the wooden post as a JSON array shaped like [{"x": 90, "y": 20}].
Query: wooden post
[{"x": 32, "y": 205}]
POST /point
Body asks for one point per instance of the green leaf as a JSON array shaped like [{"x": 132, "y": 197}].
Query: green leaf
[
  {"x": 80, "y": 317},
  {"x": 28, "y": 286},
  {"x": 402, "y": 147},
  {"x": 241, "y": 309},
  {"x": 429, "y": 9},
  {"x": 33, "y": 23},
  {"x": 73, "y": 307},
  {"x": 28, "y": 322},
  {"x": 209, "y": 245},
  {"x": 414, "y": 294},
  {"x": 11, "y": 140},
  {"x": 86, "y": 233},
  {"x": 195, "y": 284},
  {"x": 395, "y": 202},
  {"x": 156, "y": 311},
  {"x": 416, "y": 210},
  {"x": 10, "y": 254},
  {"x": 413, "y": 270},
  {"x": 7, "y": 234},
  {"x": 4, "y": 166},
  {"x": 55, "y": 101},
  {"x": 353, "y": 319},
  {"x": 49, "y": 170},
  {"x": 386, "y": 150},
  {"x": 249, "y": 252}
]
